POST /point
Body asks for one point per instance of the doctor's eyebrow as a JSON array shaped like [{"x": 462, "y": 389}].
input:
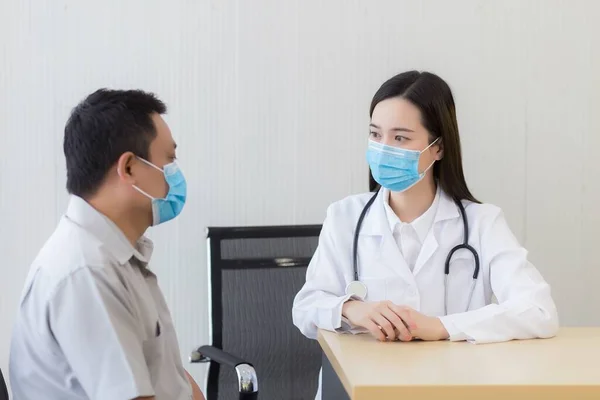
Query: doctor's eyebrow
[{"x": 399, "y": 129}]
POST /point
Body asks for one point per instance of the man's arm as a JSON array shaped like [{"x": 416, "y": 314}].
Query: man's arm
[
  {"x": 99, "y": 336},
  {"x": 196, "y": 392}
]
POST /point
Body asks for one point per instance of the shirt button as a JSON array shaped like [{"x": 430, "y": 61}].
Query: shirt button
[{"x": 412, "y": 292}]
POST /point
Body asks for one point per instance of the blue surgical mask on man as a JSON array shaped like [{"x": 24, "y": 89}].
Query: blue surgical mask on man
[
  {"x": 170, "y": 206},
  {"x": 394, "y": 168}
]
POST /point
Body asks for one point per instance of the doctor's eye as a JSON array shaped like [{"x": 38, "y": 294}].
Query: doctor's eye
[
  {"x": 400, "y": 138},
  {"x": 374, "y": 135}
]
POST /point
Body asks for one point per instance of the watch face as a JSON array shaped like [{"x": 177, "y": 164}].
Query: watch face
[{"x": 357, "y": 289}]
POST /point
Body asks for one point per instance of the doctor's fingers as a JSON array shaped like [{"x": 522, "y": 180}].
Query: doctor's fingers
[
  {"x": 406, "y": 315},
  {"x": 403, "y": 332},
  {"x": 386, "y": 326},
  {"x": 375, "y": 331}
]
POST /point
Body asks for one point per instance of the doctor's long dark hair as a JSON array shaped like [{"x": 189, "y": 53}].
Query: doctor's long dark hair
[{"x": 433, "y": 97}]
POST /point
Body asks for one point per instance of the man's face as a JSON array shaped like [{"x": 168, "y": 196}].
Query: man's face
[
  {"x": 135, "y": 172},
  {"x": 161, "y": 153}
]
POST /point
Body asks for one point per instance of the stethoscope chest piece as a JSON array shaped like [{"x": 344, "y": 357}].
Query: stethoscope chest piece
[{"x": 357, "y": 289}]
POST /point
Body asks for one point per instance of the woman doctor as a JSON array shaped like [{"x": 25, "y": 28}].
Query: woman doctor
[{"x": 401, "y": 286}]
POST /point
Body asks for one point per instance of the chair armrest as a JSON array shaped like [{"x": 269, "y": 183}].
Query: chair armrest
[
  {"x": 217, "y": 355},
  {"x": 247, "y": 379}
]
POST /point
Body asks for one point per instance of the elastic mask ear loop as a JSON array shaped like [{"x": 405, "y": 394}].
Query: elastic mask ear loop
[
  {"x": 432, "y": 143},
  {"x": 161, "y": 170},
  {"x": 153, "y": 166},
  {"x": 433, "y": 162},
  {"x": 142, "y": 192}
]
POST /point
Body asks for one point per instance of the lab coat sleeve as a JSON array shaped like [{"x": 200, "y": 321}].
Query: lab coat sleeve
[
  {"x": 525, "y": 308},
  {"x": 319, "y": 303}
]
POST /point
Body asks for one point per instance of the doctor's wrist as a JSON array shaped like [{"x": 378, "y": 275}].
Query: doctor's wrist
[
  {"x": 347, "y": 305},
  {"x": 443, "y": 333}
]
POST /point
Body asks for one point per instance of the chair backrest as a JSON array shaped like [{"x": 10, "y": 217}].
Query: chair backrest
[
  {"x": 3, "y": 388},
  {"x": 255, "y": 274}
]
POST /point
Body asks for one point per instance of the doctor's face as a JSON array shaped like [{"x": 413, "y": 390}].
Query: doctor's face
[{"x": 397, "y": 122}]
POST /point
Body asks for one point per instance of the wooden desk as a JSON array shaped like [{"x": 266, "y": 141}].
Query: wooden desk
[{"x": 565, "y": 367}]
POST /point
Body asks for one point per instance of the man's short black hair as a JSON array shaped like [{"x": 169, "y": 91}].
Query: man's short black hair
[{"x": 101, "y": 128}]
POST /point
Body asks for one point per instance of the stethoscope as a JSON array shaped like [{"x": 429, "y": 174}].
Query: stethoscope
[{"x": 358, "y": 289}]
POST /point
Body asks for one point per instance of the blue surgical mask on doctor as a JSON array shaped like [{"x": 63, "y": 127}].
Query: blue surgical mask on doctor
[
  {"x": 394, "y": 168},
  {"x": 169, "y": 207}
]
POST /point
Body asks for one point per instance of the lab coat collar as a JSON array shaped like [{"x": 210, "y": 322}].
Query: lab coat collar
[
  {"x": 113, "y": 239},
  {"x": 447, "y": 209},
  {"x": 376, "y": 222}
]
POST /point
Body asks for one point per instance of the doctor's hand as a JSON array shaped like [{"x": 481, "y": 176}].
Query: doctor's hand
[
  {"x": 382, "y": 319},
  {"x": 422, "y": 326}
]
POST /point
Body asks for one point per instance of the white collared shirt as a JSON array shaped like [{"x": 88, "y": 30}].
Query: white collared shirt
[
  {"x": 92, "y": 322},
  {"x": 410, "y": 236}
]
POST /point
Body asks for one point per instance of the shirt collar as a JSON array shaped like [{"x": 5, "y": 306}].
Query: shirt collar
[
  {"x": 87, "y": 217},
  {"x": 421, "y": 225}
]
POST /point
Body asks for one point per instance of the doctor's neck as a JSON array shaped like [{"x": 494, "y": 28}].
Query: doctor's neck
[{"x": 413, "y": 203}]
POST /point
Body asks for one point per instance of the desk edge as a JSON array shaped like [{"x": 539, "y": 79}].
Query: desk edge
[{"x": 334, "y": 362}]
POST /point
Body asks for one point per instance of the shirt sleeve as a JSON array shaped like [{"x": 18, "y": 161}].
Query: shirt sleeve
[
  {"x": 91, "y": 319},
  {"x": 525, "y": 308}
]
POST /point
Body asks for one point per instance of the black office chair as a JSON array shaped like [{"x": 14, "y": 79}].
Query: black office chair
[
  {"x": 3, "y": 388},
  {"x": 255, "y": 274}
]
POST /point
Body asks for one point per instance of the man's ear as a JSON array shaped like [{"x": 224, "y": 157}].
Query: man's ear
[{"x": 125, "y": 166}]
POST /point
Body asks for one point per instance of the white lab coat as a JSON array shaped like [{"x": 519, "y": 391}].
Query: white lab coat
[{"x": 525, "y": 308}]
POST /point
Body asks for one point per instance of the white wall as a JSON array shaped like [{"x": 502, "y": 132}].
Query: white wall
[{"x": 269, "y": 103}]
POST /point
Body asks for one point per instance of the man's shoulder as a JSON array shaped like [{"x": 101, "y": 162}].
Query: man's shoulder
[{"x": 68, "y": 250}]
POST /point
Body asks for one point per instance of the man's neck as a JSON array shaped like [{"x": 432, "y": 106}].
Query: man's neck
[
  {"x": 127, "y": 221},
  {"x": 413, "y": 203}
]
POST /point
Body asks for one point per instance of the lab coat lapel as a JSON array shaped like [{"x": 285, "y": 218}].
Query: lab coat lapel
[
  {"x": 376, "y": 224},
  {"x": 429, "y": 247},
  {"x": 392, "y": 258},
  {"x": 447, "y": 209}
]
